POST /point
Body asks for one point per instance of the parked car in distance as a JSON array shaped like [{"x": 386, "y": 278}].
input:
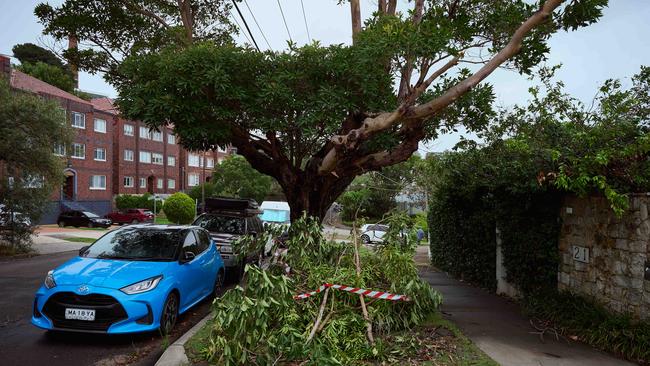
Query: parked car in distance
[
  {"x": 130, "y": 216},
  {"x": 227, "y": 219},
  {"x": 8, "y": 218},
  {"x": 373, "y": 233},
  {"x": 134, "y": 279},
  {"x": 82, "y": 218}
]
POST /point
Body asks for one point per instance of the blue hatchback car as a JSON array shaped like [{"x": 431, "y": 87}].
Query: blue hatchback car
[{"x": 135, "y": 279}]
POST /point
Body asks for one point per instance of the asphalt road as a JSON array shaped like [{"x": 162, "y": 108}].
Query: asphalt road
[{"x": 23, "y": 344}]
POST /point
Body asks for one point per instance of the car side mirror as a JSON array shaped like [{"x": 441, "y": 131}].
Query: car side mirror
[
  {"x": 83, "y": 250},
  {"x": 188, "y": 257}
]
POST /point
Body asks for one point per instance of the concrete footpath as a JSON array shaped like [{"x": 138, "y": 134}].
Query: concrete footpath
[
  {"x": 497, "y": 327},
  {"x": 51, "y": 239}
]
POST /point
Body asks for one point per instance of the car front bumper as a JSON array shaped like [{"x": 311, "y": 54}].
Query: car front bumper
[{"x": 115, "y": 311}]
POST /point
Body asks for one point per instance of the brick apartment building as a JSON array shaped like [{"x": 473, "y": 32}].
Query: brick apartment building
[{"x": 111, "y": 155}]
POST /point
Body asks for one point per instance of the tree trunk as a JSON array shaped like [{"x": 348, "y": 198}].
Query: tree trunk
[{"x": 314, "y": 195}]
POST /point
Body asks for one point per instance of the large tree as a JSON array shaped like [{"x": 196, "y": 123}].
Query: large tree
[{"x": 316, "y": 117}]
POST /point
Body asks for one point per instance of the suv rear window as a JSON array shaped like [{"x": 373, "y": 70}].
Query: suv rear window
[{"x": 221, "y": 224}]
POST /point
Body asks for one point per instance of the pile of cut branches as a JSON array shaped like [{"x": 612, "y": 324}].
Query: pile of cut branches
[{"x": 261, "y": 323}]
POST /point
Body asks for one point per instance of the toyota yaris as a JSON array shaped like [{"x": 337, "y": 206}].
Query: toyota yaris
[{"x": 135, "y": 279}]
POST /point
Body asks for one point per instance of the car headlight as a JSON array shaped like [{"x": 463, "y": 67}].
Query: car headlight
[
  {"x": 49, "y": 280},
  {"x": 142, "y": 286}
]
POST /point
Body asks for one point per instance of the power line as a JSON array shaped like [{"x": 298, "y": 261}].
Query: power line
[
  {"x": 258, "y": 25},
  {"x": 304, "y": 17},
  {"x": 285, "y": 21},
  {"x": 246, "y": 24}
]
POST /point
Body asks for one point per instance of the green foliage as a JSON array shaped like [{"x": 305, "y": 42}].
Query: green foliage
[
  {"x": 119, "y": 30},
  {"x": 235, "y": 177},
  {"x": 50, "y": 74},
  {"x": 583, "y": 318},
  {"x": 124, "y": 201},
  {"x": 180, "y": 208},
  {"x": 33, "y": 54},
  {"x": 30, "y": 127},
  {"x": 533, "y": 156},
  {"x": 211, "y": 190},
  {"x": 260, "y": 323}
]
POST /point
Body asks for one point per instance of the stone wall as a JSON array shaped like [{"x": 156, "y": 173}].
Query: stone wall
[{"x": 606, "y": 257}]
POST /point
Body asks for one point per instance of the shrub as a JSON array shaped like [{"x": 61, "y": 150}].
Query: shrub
[
  {"x": 179, "y": 208},
  {"x": 124, "y": 201}
]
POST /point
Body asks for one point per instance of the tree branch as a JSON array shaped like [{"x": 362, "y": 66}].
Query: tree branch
[
  {"x": 372, "y": 126},
  {"x": 146, "y": 12}
]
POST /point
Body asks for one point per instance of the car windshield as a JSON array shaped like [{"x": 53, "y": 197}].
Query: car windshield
[
  {"x": 221, "y": 224},
  {"x": 90, "y": 214},
  {"x": 137, "y": 244}
]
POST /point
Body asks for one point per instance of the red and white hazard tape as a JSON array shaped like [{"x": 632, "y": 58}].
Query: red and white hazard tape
[{"x": 355, "y": 290}]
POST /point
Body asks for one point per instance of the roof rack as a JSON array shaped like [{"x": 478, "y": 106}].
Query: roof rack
[{"x": 231, "y": 206}]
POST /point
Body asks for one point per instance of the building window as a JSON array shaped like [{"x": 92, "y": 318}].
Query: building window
[
  {"x": 171, "y": 139},
  {"x": 143, "y": 182},
  {"x": 171, "y": 184},
  {"x": 145, "y": 133},
  {"x": 193, "y": 180},
  {"x": 145, "y": 157},
  {"x": 100, "y": 154},
  {"x": 78, "y": 151},
  {"x": 156, "y": 135},
  {"x": 193, "y": 160},
  {"x": 128, "y": 130},
  {"x": 157, "y": 158},
  {"x": 171, "y": 160},
  {"x": 100, "y": 125},
  {"x": 159, "y": 183},
  {"x": 59, "y": 149},
  {"x": 128, "y": 155},
  {"x": 78, "y": 120},
  {"x": 98, "y": 182},
  {"x": 128, "y": 182},
  {"x": 33, "y": 181},
  {"x": 210, "y": 163}
]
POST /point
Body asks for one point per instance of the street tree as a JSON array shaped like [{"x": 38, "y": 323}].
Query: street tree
[
  {"x": 30, "y": 128},
  {"x": 315, "y": 117},
  {"x": 32, "y": 54}
]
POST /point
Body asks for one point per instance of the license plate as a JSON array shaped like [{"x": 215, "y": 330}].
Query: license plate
[
  {"x": 80, "y": 314},
  {"x": 225, "y": 256}
]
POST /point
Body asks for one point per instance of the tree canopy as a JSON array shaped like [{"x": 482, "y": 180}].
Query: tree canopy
[
  {"x": 29, "y": 130},
  {"x": 32, "y": 54},
  {"x": 314, "y": 117}
]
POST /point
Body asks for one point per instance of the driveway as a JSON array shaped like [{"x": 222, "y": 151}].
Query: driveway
[{"x": 23, "y": 344}]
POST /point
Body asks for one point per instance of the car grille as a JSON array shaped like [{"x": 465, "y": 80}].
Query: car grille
[{"x": 107, "y": 311}]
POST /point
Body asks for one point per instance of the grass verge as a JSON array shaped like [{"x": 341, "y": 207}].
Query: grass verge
[
  {"x": 436, "y": 342},
  {"x": 80, "y": 240}
]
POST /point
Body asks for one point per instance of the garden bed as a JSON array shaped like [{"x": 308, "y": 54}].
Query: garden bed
[{"x": 435, "y": 342}]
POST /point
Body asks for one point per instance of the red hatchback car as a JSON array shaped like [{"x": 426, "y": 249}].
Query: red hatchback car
[{"x": 131, "y": 216}]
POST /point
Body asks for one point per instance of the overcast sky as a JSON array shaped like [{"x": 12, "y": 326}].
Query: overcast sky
[{"x": 615, "y": 47}]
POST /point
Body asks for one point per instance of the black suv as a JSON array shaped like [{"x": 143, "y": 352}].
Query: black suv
[
  {"x": 227, "y": 219},
  {"x": 82, "y": 218}
]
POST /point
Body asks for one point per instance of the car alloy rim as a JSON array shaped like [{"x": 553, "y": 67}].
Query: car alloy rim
[{"x": 170, "y": 314}]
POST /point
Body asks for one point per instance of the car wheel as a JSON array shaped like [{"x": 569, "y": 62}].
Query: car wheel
[
  {"x": 169, "y": 314},
  {"x": 218, "y": 283},
  {"x": 135, "y": 222},
  {"x": 91, "y": 225},
  {"x": 365, "y": 239},
  {"x": 61, "y": 223}
]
